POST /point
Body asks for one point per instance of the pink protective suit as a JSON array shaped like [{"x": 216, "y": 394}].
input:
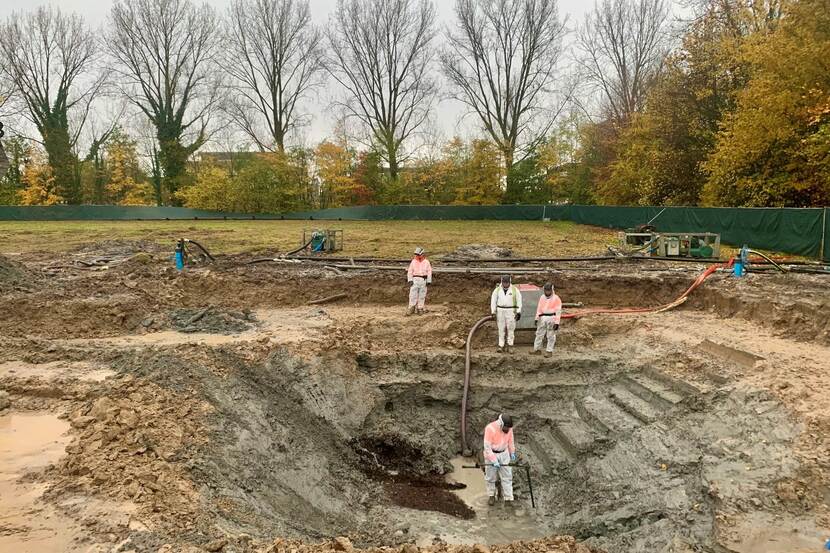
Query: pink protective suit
[
  {"x": 498, "y": 448},
  {"x": 419, "y": 275},
  {"x": 548, "y": 314}
]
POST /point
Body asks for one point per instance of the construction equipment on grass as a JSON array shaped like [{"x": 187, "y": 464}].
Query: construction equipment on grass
[
  {"x": 524, "y": 465},
  {"x": 323, "y": 240},
  {"x": 649, "y": 242}
]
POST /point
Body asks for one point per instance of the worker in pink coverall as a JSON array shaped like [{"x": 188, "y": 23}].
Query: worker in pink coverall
[
  {"x": 548, "y": 315},
  {"x": 419, "y": 275},
  {"x": 499, "y": 452}
]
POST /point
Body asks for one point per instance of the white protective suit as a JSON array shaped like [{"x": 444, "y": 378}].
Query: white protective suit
[{"x": 504, "y": 304}]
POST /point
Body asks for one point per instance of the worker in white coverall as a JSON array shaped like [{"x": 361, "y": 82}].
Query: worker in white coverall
[
  {"x": 548, "y": 315},
  {"x": 499, "y": 452},
  {"x": 419, "y": 275},
  {"x": 506, "y": 305}
]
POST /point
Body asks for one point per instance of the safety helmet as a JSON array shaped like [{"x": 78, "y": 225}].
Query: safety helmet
[
  {"x": 419, "y": 251},
  {"x": 506, "y": 422}
]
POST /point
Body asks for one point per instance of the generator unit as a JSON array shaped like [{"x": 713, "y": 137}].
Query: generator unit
[
  {"x": 530, "y": 299},
  {"x": 323, "y": 240},
  {"x": 671, "y": 244}
]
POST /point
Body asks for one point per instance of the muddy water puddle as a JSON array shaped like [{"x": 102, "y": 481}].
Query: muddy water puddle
[
  {"x": 29, "y": 442},
  {"x": 85, "y": 372},
  {"x": 490, "y": 525}
]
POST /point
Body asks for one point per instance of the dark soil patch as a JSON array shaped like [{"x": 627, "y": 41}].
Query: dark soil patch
[{"x": 427, "y": 494}]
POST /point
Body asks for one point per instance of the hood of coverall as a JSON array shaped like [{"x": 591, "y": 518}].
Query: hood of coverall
[{"x": 506, "y": 423}]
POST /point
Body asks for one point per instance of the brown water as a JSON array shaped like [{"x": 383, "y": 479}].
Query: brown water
[
  {"x": 28, "y": 443},
  {"x": 495, "y": 524}
]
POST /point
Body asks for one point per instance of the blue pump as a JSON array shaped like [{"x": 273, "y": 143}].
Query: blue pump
[
  {"x": 179, "y": 256},
  {"x": 742, "y": 261}
]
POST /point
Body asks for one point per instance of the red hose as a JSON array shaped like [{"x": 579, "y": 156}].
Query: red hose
[
  {"x": 697, "y": 282},
  {"x": 465, "y": 450}
]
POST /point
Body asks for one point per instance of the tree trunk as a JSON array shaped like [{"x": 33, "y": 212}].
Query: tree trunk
[
  {"x": 62, "y": 161},
  {"x": 172, "y": 162},
  {"x": 156, "y": 176},
  {"x": 392, "y": 155}
]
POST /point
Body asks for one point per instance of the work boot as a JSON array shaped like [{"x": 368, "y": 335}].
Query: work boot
[
  {"x": 499, "y": 349},
  {"x": 536, "y": 352},
  {"x": 508, "y": 349},
  {"x": 491, "y": 500},
  {"x": 548, "y": 354},
  {"x": 410, "y": 311}
]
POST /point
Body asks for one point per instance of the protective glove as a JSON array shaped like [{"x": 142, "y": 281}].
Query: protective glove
[
  {"x": 556, "y": 326},
  {"x": 536, "y": 322},
  {"x": 518, "y": 316},
  {"x": 513, "y": 457},
  {"x": 496, "y": 464}
]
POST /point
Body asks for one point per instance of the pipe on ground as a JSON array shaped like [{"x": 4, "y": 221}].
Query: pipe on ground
[{"x": 465, "y": 449}]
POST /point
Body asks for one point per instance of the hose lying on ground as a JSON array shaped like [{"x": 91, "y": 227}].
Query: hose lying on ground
[
  {"x": 769, "y": 259},
  {"x": 201, "y": 247},
  {"x": 286, "y": 254},
  {"x": 665, "y": 307}
]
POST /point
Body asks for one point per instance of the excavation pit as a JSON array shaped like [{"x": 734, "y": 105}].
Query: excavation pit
[
  {"x": 344, "y": 420},
  {"x": 620, "y": 453}
]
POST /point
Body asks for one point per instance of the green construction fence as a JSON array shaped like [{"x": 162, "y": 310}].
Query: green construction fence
[{"x": 797, "y": 231}]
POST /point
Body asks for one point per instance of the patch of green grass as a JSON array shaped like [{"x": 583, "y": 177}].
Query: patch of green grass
[{"x": 362, "y": 238}]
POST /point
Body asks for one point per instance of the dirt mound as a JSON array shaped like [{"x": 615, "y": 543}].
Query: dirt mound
[
  {"x": 131, "y": 444},
  {"x": 212, "y": 320},
  {"x": 479, "y": 251},
  {"x": 13, "y": 274}
]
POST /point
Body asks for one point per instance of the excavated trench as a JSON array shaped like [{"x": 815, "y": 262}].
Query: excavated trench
[{"x": 621, "y": 455}]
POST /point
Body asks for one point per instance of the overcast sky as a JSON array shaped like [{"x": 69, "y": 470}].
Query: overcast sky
[{"x": 447, "y": 114}]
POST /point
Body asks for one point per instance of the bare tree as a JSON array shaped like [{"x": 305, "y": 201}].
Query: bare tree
[
  {"x": 48, "y": 57},
  {"x": 739, "y": 18},
  {"x": 623, "y": 44},
  {"x": 166, "y": 50},
  {"x": 381, "y": 52},
  {"x": 275, "y": 56},
  {"x": 501, "y": 61}
]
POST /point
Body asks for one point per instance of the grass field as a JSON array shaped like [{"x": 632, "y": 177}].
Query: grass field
[{"x": 362, "y": 238}]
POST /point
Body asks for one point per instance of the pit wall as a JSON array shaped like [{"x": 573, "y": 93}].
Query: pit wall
[{"x": 791, "y": 230}]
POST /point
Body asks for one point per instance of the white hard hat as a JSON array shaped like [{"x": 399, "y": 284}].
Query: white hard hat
[{"x": 419, "y": 251}]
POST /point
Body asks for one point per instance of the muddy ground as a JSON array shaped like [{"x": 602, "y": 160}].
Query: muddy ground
[{"x": 143, "y": 409}]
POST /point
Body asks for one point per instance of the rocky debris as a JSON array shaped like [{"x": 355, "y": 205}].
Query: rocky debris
[
  {"x": 552, "y": 544},
  {"x": 209, "y": 319},
  {"x": 134, "y": 443},
  {"x": 5, "y": 402},
  {"x": 479, "y": 251}
]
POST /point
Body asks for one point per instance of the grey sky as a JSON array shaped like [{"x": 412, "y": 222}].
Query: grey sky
[{"x": 447, "y": 113}]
